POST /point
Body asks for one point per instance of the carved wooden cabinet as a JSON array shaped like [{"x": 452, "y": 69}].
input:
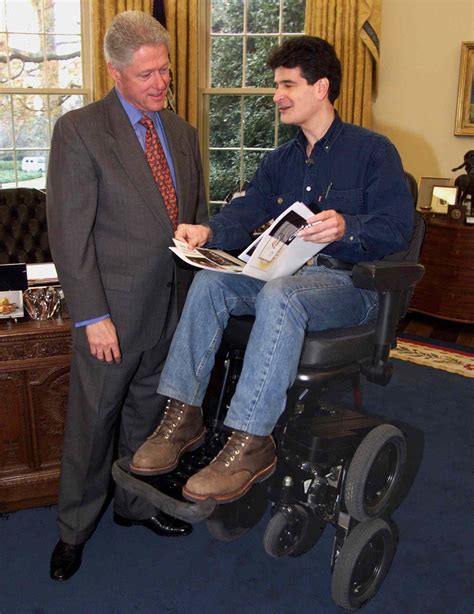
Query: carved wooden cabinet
[
  {"x": 34, "y": 378},
  {"x": 447, "y": 288}
]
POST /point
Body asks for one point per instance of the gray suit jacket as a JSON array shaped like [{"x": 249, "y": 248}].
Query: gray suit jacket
[{"x": 108, "y": 227}]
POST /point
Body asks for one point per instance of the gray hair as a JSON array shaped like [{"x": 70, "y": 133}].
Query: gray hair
[{"x": 129, "y": 31}]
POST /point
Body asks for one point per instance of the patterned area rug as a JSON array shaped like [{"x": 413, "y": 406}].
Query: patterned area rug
[{"x": 460, "y": 361}]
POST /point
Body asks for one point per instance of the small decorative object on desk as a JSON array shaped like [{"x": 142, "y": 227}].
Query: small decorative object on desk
[
  {"x": 42, "y": 303},
  {"x": 465, "y": 182},
  {"x": 442, "y": 198},
  {"x": 12, "y": 283},
  {"x": 425, "y": 190},
  {"x": 457, "y": 213}
]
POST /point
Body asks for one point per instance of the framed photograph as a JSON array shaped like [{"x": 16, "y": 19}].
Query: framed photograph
[
  {"x": 425, "y": 191},
  {"x": 442, "y": 197},
  {"x": 465, "y": 106}
]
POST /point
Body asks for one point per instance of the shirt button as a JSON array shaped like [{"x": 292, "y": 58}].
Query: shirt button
[
  {"x": 308, "y": 188},
  {"x": 327, "y": 147},
  {"x": 280, "y": 200},
  {"x": 351, "y": 238}
]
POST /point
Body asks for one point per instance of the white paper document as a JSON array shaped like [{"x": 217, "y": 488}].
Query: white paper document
[
  {"x": 277, "y": 252},
  {"x": 41, "y": 273}
]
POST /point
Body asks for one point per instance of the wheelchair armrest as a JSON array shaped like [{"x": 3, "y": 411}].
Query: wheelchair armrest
[
  {"x": 394, "y": 283},
  {"x": 386, "y": 276}
]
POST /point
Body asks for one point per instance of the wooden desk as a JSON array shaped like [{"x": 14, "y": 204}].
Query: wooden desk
[
  {"x": 34, "y": 378},
  {"x": 447, "y": 288}
]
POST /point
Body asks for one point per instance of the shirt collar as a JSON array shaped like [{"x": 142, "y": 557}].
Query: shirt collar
[
  {"x": 134, "y": 114},
  {"x": 327, "y": 141}
]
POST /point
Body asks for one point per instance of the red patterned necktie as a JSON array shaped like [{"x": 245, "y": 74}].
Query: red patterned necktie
[{"x": 160, "y": 169}]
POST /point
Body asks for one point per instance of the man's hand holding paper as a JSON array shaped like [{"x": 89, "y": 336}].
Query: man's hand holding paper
[
  {"x": 194, "y": 235},
  {"x": 324, "y": 227}
]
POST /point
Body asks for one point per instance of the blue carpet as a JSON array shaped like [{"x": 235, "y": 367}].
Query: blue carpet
[{"x": 130, "y": 570}]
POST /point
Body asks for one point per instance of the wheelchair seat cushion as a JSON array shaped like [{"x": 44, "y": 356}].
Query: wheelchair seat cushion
[
  {"x": 322, "y": 349},
  {"x": 338, "y": 346}
]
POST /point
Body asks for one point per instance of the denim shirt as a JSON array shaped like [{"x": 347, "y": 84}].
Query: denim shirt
[{"x": 352, "y": 170}]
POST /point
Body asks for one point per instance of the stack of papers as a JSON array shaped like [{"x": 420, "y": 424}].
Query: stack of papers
[{"x": 277, "y": 252}]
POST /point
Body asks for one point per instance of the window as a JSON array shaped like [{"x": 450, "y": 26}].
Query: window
[
  {"x": 44, "y": 72},
  {"x": 238, "y": 119}
]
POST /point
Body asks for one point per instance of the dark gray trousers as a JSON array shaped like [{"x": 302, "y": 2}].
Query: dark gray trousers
[{"x": 112, "y": 409}]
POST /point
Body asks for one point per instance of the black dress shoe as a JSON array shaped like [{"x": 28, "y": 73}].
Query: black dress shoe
[
  {"x": 65, "y": 560},
  {"x": 161, "y": 524}
]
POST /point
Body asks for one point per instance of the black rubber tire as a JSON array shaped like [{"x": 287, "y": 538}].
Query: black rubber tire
[
  {"x": 362, "y": 563},
  {"x": 311, "y": 531},
  {"x": 232, "y": 520},
  {"x": 286, "y": 536},
  {"x": 382, "y": 450}
]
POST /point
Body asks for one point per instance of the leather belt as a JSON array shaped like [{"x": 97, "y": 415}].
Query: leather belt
[{"x": 333, "y": 263}]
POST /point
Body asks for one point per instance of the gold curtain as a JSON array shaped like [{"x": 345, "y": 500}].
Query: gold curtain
[
  {"x": 103, "y": 11},
  {"x": 181, "y": 23},
  {"x": 353, "y": 27}
]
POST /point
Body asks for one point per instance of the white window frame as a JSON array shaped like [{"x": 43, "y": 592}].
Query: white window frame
[
  {"x": 87, "y": 82},
  {"x": 205, "y": 91}
]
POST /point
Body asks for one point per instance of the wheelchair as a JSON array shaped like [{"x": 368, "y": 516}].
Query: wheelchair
[{"x": 335, "y": 465}]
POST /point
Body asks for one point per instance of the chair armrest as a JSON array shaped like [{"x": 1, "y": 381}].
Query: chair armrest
[
  {"x": 386, "y": 276},
  {"x": 394, "y": 282}
]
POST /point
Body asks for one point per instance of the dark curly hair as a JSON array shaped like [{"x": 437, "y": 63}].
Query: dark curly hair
[{"x": 314, "y": 56}]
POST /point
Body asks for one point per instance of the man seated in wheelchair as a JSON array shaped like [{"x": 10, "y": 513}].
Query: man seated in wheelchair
[{"x": 353, "y": 181}]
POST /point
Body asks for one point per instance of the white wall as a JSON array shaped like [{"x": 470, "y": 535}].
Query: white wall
[{"x": 418, "y": 79}]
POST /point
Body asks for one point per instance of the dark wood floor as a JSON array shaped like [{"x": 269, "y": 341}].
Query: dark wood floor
[{"x": 435, "y": 328}]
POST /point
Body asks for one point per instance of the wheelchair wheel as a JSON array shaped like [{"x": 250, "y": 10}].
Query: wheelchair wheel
[
  {"x": 375, "y": 472},
  {"x": 292, "y": 534},
  {"x": 362, "y": 563},
  {"x": 232, "y": 520}
]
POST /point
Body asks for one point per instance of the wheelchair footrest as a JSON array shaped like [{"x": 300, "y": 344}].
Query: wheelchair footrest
[{"x": 190, "y": 512}]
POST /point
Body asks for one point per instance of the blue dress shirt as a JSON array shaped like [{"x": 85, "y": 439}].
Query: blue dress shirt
[
  {"x": 134, "y": 115},
  {"x": 352, "y": 170}
]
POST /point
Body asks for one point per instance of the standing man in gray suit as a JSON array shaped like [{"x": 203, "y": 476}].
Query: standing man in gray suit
[{"x": 123, "y": 172}]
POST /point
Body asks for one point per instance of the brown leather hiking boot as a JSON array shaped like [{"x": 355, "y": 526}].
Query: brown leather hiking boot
[
  {"x": 243, "y": 460},
  {"x": 180, "y": 430}
]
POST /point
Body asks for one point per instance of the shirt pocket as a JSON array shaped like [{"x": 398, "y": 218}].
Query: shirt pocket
[{"x": 345, "y": 201}]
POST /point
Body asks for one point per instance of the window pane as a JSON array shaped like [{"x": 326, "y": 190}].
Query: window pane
[
  {"x": 227, "y": 16},
  {"x": 224, "y": 173},
  {"x": 63, "y": 16},
  {"x": 263, "y": 16},
  {"x": 30, "y": 121},
  {"x": 293, "y": 16},
  {"x": 31, "y": 168},
  {"x": 64, "y": 67},
  {"x": 224, "y": 121},
  {"x": 6, "y": 128},
  {"x": 251, "y": 160},
  {"x": 26, "y": 60},
  {"x": 7, "y": 169},
  {"x": 3, "y": 62},
  {"x": 22, "y": 17},
  {"x": 3, "y": 22},
  {"x": 259, "y": 121},
  {"x": 61, "y": 104},
  {"x": 40, "y": 44},
  {"x": 226, "y": 64},
  {"x": 258, "y": 74}
]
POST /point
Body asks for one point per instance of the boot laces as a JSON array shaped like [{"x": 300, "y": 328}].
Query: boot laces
[
  {"x": 172, "y": 415},
  {"x": 233, "y": 448}
]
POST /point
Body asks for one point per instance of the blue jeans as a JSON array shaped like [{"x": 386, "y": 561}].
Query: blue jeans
[{"x": 316, "y": 298}]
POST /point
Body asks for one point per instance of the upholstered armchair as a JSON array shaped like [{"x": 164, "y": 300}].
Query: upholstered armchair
[{"x": 23, "y": 228}]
